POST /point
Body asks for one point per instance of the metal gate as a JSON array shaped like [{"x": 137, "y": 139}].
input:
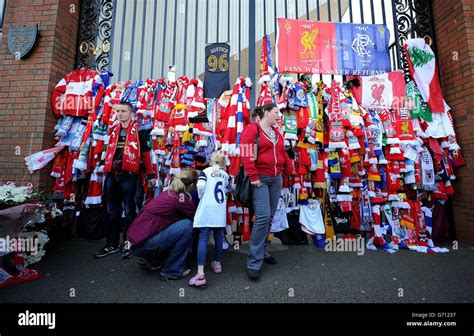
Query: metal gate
[{"x": 137, "y": 39}]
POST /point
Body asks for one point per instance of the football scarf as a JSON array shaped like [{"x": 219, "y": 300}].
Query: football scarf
[
  {"x": 336, "y": 131},
  {"x": 131, "y": 151},
  {"x": 427, "y": 170}
]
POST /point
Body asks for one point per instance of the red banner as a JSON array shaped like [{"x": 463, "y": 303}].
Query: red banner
[
  {"x": 301, "y": 46},
  {"x": 332, "y": 48}
]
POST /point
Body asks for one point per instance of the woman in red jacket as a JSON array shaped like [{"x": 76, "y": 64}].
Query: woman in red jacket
[{"x": 264, "y": 170}]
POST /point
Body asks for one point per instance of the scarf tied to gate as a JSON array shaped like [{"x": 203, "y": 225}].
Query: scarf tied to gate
[{"x": 427, "y": 170}]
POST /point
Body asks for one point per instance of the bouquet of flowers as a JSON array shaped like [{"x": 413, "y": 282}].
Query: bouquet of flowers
[
  {"x": 11, "y": 195},
  {"x": 20, "y": 209}
]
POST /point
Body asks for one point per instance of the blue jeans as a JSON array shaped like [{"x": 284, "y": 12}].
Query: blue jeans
[
  {"x": 140, "y": 193},
  {"x": 177, "y": 239},
  {"x": 119, "y": 189},
  {"x": 202, "y": 245},
  {"x": 265, "y": 202}
]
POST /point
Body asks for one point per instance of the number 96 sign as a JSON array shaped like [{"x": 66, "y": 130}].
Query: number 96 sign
[
  {"x": 217, "y": 57},
  {"x": 220, "y": 64},
  {"x": 216, "y": 75}
]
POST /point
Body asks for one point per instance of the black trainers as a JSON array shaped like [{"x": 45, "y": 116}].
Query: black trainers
[
  {"x": 148, "y": 266},
  {"x": 253, "y": 274},
  {"x": 105, "y": 251},
  {"x": 270, "y": 260}
]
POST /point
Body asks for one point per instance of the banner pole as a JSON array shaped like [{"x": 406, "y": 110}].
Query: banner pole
[{"x": 252, "y": 50}]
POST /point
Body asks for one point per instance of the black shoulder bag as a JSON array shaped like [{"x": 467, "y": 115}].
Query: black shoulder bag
[{"x": 243, "y": 188}]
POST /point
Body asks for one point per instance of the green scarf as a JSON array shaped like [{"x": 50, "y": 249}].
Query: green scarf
[{"x": 421, "y": 108}]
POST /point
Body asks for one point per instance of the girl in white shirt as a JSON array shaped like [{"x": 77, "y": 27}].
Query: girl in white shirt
[{"x": 212, "y": 185}]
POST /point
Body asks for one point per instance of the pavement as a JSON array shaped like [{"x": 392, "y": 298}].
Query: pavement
[{"x": 304, "y": 274}]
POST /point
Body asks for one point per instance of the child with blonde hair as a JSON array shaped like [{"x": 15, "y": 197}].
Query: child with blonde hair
[{"x": 212, "y": 185}]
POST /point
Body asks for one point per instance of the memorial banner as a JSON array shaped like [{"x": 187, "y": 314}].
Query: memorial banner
[{"x": 332, "y": 48}]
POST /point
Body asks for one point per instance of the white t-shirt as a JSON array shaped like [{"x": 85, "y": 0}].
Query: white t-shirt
[
  {"x": 280, "y": 221},
  {"x": 212, "y": 209},
  {"x": 311, "y": 218}
]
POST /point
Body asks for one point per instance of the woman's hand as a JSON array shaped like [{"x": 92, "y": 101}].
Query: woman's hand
[{"x": 256, "y": 184}]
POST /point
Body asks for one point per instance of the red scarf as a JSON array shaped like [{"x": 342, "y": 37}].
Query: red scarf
[
  {"x": 336, "y": 131},
  {"x": 131, "y": 151},
  {"x": 165, "y": 102}
]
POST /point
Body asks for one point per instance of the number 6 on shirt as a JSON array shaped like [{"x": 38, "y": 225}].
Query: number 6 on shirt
[{"x": 219, "y": 193}]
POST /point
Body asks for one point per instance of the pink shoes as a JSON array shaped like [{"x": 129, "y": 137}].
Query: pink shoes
[
  {"x": 216, "y": 267},
  {"x": 198, "y": 280}
]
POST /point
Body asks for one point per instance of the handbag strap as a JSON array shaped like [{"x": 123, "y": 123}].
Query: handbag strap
[{"x": 257, "y": 141}]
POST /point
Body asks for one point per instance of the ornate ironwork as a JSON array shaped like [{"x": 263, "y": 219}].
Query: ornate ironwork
[
  {"x": 413, "y": 18},
  {"x": 95, "y": 34}
]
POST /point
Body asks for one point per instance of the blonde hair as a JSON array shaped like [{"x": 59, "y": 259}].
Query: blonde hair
[
  {"x": 183, "y": 180},
  {"x": 218, "y": 158}
]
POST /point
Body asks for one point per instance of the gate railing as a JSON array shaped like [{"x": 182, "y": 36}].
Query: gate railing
[{"x": 100, "y": 28}]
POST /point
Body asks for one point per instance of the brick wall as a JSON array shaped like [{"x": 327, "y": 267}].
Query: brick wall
[
  {"x": 454, "y": 29},
  {"x": 26, "y": 118}
]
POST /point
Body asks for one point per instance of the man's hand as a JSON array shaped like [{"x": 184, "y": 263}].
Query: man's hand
[
  {"x": 127, "y": 250},
  {"x": 151, "y": 183},
  {"x": 256, "y": 184},
  {"x": 150, "y": 178}
]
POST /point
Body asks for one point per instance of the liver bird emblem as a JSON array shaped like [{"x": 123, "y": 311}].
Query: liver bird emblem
[
  {"x": 307, "y": 41},
  {"x": 405, "y": 127},
  {"x": 377, "y": 93}
]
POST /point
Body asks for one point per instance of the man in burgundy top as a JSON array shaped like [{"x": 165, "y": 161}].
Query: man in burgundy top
[{"x": 264, "y": 172}]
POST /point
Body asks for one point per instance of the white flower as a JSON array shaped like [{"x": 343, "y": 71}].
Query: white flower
[
  {"x": 55, "y": 212},
  {"x": 19, "y": 198},
  {"x": 13, "y": 193},
  {"x": 40, "y": 238}
]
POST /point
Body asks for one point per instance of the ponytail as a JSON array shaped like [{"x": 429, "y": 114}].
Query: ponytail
[
  {"x": 259, "y": 111},
  {"x": 183, "y": 180},
  {"x": 177, "y": 185}
]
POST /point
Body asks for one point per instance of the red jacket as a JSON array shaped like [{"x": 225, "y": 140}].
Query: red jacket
[
  {"x": 74, "y": 94},
  {"x": 272, "y": 159}
]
